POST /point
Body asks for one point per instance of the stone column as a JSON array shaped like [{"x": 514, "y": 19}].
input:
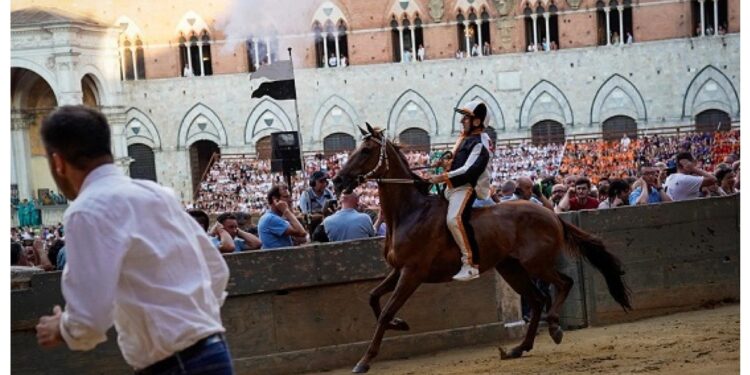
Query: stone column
[
  {"x": 413, "y": 44},
  {"x": 338, "y": 51},
  {"x": 268, "y": 49},
  {"x": 533, "y": 26},
  {"x": 401, "y": 42},
  {"x": 479, "y": 32},
  {"x": 68, "y": 80},
  {"x": 122, "y": 63},
  {"x": 716, "y": 17},
  {"x": 325, "y": 49},
  {"x": 466, "y": 37},
  {"x": 609, "y": 36},
  {"x": 257, "y": 57},
  {"x": 620, "y": 10},
  {"x": 701, "y": 3},
  {"x": 21, "y": 152},
  {"x": 546, "y": 29},
  {"x": 200, "y": 57},
  {"x": 116, "y": 118},
  {"x": 135, "y": 66}
]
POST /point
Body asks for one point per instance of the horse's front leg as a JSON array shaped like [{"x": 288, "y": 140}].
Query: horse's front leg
[
  {"x": 387, "y": 286},
  {"x": 408, "y": 282}
]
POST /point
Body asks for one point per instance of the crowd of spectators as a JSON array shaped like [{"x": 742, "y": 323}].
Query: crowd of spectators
[{"x": 590, "y": 174}]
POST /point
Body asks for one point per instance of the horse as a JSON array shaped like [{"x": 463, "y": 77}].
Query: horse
[{"x": 519, "y": 239}]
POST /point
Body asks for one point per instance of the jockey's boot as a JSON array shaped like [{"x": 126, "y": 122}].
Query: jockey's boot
[{"x": 467, "y": 272}]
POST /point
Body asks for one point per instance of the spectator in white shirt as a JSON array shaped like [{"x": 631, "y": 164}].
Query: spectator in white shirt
[
  {"x": 135, "y": 259},
  {"x": 420, "y": 53},
  {"x": 688, "y": 181}
]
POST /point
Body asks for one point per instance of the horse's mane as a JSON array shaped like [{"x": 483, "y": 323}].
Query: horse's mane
[{"x": 421, "y": 184}]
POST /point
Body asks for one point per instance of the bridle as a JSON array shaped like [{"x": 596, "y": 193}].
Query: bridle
[{"x": 383, "y": 160}]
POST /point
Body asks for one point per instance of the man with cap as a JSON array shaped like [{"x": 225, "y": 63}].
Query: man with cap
[
  {"x": 314, "y": 199},
  {"x": 467, "y": 178}
]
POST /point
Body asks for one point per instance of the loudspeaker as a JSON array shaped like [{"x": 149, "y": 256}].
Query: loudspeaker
[{"x": 285, "y": 156}]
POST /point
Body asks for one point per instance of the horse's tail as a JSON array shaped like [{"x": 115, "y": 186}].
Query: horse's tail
[{"x": 593, "y": 249}]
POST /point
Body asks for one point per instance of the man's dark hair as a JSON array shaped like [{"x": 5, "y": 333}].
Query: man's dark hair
[
  {"x": 583, "y": 181},
  {"x": 226, "y": 216},
  {"x": 79, "y": 134},
  {"x": 16, "y": 251},
  {"x": 54, "y": 249},
  {"x": 275, "y": 192},
  {"x": 721, "y": 173},
  {"x": 683, "y": 155},
  {"x": 201, "y": 217},
  {"x": 616, "y": 187}
]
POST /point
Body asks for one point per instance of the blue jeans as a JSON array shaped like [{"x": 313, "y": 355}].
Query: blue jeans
[{"x": 212, "y": 358}]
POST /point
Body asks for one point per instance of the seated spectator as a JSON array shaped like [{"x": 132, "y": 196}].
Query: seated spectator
[
  {"x": 725, "y": 178},
  {"x": 379, "y": 225},
  {"x": 278, "y": 225},
  {"x": 617, "y": 194},
  {"x": 225, "y": 233},
  {"x": 578, "y": 198},
  {"x": 53, "y": 253},
  {"x": 525, "y": 191},
  {"x": 348, "y": 223},
  {"x": 648, "y": 188},
  {"x": 688, "y": 181}
]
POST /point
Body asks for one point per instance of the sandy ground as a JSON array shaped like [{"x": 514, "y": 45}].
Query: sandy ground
[{"x": 696, "y": 342}]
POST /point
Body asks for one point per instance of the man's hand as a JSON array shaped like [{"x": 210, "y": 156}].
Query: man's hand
[
  {"x": 48, "y": 329},
  {"x": 281, "y": 206},
  {"x": 437, "y": 178},
  {"x": 216, "y": 231},
  {"x": 571, "y": 192}
]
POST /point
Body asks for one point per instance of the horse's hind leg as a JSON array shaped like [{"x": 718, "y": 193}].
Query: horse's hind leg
[
  {"x": 517, "y": 277},
  {"x": 563, "y": 283},
  {"x": 387, "y": 286},
  {"x": 408, "y": 282}
]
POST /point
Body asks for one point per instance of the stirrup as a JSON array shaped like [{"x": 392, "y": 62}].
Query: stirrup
[{"x": 466, "y": 273}]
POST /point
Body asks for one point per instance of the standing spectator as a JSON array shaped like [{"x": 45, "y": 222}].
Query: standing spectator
[
  {"x": 333, "y": 61},
  {"x": 688, "y": 181},
  {"x": 629, "y": 39},
  {"x": 226, "y": 232},
  {"x": 348, "y": 223},
  {"x": 278, "y": 225},
  {"x": 475, "y": 50},
  {"x": 725, "y": 178},
  {"x": 578, "y": 198},
  {"x": 314, "y": 199},
  {"x": 137, "y": 260},
  {"x": 617, "y": 194},
  {"x": 407, "y": 56},
  {"x": 420, "y": 53},
  {"x": 486, "y": 49},
  {"x": 736, "y": 170},
  {"x": 648, "y": 188},
  {"x": 625, "y": 142}
]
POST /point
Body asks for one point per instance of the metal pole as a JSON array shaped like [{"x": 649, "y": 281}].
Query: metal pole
[{"x": 296, "y": 114}]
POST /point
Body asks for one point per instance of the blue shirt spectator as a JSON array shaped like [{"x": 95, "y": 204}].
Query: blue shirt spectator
[
  {"x": 348, "y": 224},
  {"x": 239, "y": 244},
  {"x": 61, "y": 259},
  {"x": 271, "y": 229},
  {"x": 654, "y": 196},
  {"x": 277, "y": 226}
]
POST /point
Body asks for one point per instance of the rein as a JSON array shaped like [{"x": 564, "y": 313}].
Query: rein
[{"x": 384, "y": 158}]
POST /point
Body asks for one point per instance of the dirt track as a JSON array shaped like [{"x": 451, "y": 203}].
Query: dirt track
[{"x": 697, "y": 342}]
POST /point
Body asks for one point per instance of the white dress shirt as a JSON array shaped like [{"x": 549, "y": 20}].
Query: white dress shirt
[{"x": 135, "y": 258}]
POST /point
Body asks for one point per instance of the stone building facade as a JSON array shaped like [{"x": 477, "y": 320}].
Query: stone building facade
[{"x": 176, "y": 79}]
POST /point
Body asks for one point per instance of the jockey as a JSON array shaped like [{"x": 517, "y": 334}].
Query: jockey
[{"x": 467, "y": 179}]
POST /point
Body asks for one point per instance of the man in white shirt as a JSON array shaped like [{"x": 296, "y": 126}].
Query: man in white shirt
[
  {"x": 688, "y": 181},
  {"x": 135, "y": 260}
]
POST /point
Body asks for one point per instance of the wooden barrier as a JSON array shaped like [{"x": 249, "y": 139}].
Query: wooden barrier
[{"x": 306, "y": 309}]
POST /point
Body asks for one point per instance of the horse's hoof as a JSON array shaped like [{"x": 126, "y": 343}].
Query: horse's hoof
[
  {"x": 514, "y": 353},
  {"x": 557, "y": 335},
  {"x": 399, "y": 325},
  {"x": 361, "y": 368}
]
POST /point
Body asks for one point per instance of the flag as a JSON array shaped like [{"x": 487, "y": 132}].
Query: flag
[{"x": 279, "y": 81}]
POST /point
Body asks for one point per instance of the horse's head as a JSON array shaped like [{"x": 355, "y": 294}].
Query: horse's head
[{"x": 367, "y": 161}]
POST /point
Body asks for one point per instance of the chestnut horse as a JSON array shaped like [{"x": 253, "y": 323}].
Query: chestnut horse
[{"x": 518, "y": 239}]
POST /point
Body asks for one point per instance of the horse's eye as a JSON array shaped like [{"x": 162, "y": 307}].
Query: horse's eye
[{"x": 366, "y": 151}]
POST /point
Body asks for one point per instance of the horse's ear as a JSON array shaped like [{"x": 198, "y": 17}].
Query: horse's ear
[
  {"x": 370, "y": 129},
  {"x": 363, "y": 131}
]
